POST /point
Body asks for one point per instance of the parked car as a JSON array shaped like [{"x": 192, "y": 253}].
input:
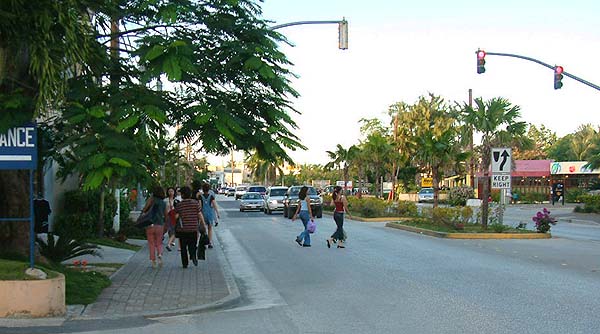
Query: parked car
[
  {"x": 251, "y": 201},
  {"x": 230, "y": 192},
  {"x": 240, "y": 191},
  {"x": 290, "y": 203},
  {"x": 258, "y": 189},
  {"x": 425, "y": 195},
  {"x": 274, "y": 199}
]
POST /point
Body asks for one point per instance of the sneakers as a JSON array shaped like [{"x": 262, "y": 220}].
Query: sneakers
[
  {"x": 153, "y": 264},
  {"x": 160, "y": 262},
  {"x": 298, "y": 241},
  {"x": 168, "y": 248},
  {"x": 305, "y": 245}
]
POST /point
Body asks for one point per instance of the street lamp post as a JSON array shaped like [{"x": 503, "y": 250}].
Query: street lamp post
[{"x": 342, "y": 29}]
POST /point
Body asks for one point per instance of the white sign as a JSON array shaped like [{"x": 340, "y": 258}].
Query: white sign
[
  {"x": 501, "y": 160},
  {"x": 501, "y": 181}
]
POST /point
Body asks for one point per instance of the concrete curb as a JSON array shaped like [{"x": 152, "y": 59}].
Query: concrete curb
[
  {"x": 469, "y": 235},
  {"x": 370, "y": 220}
]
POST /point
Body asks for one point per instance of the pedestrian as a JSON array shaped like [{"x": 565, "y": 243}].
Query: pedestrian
[
  {"x": 171, "y": 201},
  {"x": 209, "y": 209},
  {"x": 191, "y": 220},
  {"x": 341, "y": 207},
  {"x": 155, "y": 231},
  {"x": 305, "y": 212}
]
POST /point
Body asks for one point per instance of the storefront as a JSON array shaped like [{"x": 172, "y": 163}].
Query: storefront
[{"x": 574, "y": 174}]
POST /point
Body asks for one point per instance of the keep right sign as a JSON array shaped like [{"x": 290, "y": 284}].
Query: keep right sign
[{"x": 500, "y": 181}]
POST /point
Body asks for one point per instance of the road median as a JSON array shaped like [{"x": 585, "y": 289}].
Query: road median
[{"x": 461, "y": 235}]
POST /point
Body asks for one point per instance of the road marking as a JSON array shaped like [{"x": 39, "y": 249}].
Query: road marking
[{"x": 256, "y": 288}]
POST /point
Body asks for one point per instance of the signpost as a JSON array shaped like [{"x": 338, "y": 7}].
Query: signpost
[
  {"x": 501, "y": 167},
  {"x": 18, "y": 150}
]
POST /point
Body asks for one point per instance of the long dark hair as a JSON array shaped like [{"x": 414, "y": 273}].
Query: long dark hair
[
  {"x": 336, "y": 192},
  {"x": 303, "y": 191}
]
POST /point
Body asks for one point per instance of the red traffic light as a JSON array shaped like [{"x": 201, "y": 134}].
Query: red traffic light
[
  {"x": 558, "y": 69},
  {"x": 480, "y": 54}
]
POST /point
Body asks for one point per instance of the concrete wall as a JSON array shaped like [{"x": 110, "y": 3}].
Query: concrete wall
[{"x": 35, "y": 298}]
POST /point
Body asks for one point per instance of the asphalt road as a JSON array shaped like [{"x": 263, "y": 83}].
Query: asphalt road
[{"x": 393, "y": 281}]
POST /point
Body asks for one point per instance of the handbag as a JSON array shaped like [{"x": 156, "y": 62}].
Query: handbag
[
  {"x": 311, "y": 226},
  {"x": 145, "y": 219}
]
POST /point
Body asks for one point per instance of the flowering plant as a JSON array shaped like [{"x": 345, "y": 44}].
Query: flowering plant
[{"x": 543, "y": 220}]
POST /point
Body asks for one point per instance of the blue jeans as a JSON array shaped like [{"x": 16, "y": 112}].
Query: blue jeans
[{"x": 304, "y": 236}]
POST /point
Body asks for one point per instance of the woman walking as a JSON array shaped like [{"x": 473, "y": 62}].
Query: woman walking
[
  {"x": 341, "y": 207},
  {"x": 209, "y": 210},
  {"x": 305, "y": 214},
  {"x": 171, "y": 201},
  {"x": 191, "y": 219},
  {"x": 154, "y": 232}
]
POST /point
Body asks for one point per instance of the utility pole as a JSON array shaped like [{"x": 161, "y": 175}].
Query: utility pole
[
  {"x": 232, "y": 166},
  {"x": 394, "y": 163},
  {"x": 472, "y": 160}
]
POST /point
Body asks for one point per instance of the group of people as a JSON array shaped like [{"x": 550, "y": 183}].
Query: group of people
[
  {"x": 304, "y": 211},
  {"x": 183, "y": 216}
]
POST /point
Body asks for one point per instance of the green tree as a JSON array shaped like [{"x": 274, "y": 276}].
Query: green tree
[
  {"x": 42, "y": 42},
  {"x": 342, "y": 159},
  {"x": 233, "y": 85},
  {"x": 435, "y": 141},
  {"x": 541, "y": 139},
  {"x": 561, "y": 149},
  {"x": 497, "y": 122}
]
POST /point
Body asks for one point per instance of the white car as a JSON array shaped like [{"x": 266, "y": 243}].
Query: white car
[
  {"x": 240, "y": 191},
  {"x": 274, "y": 199}
]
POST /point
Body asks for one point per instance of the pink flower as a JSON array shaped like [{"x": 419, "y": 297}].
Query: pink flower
[
  {"x": 84, "y": 263},
  {"x": 76, "y": 262}
]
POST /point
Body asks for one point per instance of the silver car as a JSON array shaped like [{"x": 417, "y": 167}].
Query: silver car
[
  {"x": 274, "y": 199},
  {"x": 251, "y": 201},
  {"x": 425, "y": 195}
]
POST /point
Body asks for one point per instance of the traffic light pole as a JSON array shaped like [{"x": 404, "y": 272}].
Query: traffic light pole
[
  {"x": 303, "y": 22},
  {"x": 585, "y": 82}
]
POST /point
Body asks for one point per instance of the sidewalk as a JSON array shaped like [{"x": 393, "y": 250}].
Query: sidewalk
[{"x": 139, "y": 290}]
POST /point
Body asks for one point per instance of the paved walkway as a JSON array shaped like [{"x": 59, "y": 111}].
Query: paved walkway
[{"x": 139, "y": 290}]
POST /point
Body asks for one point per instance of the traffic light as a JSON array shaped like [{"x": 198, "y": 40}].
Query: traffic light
[
  {"x": 343, "y": 34},
  {"x": 480, "y": 61},
  {"x": 558, "y": 70}
]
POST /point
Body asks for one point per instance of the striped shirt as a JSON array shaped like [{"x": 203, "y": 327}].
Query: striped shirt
[{"x": 188, "y": 210}]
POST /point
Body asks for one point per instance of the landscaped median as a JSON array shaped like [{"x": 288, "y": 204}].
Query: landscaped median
[{"x": 518, "y": 234}]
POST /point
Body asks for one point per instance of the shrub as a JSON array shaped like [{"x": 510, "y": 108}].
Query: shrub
[
  {"x": 57, "y": 250},
  {"x": 498, "y": 228},
  {"x": 543, "y": 220},
  {"x": 367, "y": 207},
  {"x": 405, "y": 209},
  {"x": 591, "y": 203},
  {"x": 532, "y": 198},
  {"x": 458, "y": 196},
  {"x": 456, "y": 217},
  {"x": 81, "y": 212},
  {"x": 574, "y": 195}
]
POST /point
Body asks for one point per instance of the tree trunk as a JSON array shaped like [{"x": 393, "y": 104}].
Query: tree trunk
[
  {"x": 485, "y": 162},
  {"x": 436, "y": 187},
  {"x": 100, "y": 223},
  {"x": 14, "y": 203}
]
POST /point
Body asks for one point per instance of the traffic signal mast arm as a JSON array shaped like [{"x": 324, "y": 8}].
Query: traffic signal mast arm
[
  {"x": 565, "y": 73},
  {"x": 342, "y": 29}
]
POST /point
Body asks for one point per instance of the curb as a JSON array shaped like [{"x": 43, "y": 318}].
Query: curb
[
  {"x": 469, "y": 235},
  {"x": 370, "y": 220}
]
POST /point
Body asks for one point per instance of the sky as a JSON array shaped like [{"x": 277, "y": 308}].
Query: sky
[{"x": 400, "y": 50}]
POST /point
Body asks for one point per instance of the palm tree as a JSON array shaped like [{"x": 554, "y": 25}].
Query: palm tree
[
  {"x": 264, "y": 169},
  {"x": 378, "y": 152},
  {"x": 434, "y": 142},
  {"x": 342, "y": 159},
  {"x": 497, "y": 122}
]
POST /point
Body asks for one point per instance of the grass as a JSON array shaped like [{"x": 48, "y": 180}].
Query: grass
[
  {"x": 15, "y": 271},
  {"x": 470, "y": 228},
  {"x": 113, "y": 243},
  {"x": 82, "y": 287}
]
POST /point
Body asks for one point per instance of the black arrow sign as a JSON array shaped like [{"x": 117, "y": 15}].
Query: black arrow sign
[{"x": 504, "y": 158}]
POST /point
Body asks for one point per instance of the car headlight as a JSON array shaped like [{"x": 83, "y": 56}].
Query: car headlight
[{"x": 273, "y": 201}]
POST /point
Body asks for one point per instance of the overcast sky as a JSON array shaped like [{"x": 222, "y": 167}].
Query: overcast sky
[{"x": 399, "y": 50}]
